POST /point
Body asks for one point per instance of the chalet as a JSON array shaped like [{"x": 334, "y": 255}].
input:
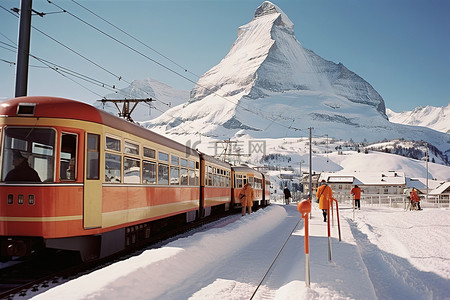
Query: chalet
[
  {"x": 391, "y": 182},
  {"x": 442, "y": 192},
  {"x": 314, "y": 181}
]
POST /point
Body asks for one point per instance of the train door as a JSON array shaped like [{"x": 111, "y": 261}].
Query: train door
[{"x": 92, "y": 183}]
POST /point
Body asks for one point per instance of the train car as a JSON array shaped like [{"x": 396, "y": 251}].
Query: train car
[
  {"x": 241, "y": 175},
  {"x": 77, "y": 178},
  {"x": 266, "y": 188},
  {"x": 215, "y": 182}
]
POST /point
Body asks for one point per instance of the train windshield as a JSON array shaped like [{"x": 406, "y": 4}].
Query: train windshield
[{"x": 28, "y": 154}]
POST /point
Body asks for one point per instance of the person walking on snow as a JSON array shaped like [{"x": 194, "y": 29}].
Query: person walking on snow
[
  {"x": 246, "y": 196},
  {"x": 415, "y": 198},
  {"x": 325, "y": 195},
  {"x": 287, "y": 195},
  {"x": 356, "y": 192}
]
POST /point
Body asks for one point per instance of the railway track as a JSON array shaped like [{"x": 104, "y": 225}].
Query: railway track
[{"x": 38, "y": 273}]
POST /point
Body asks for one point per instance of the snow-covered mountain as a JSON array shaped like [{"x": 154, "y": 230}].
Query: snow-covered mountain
[
  {"x": 164, "y": 96},
  {"x": 436, "y": 118},
  {"x": 270, "y": 86}
]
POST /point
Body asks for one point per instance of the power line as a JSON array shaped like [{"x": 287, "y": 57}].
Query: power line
[
  {"x": 169, "y": 69},
  {"x": 83, "y": 77},
  {"x": 136, "y": 39},
  {"x": 260, "y": 114}
]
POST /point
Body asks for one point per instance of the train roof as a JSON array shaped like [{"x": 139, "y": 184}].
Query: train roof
[
  {"x": 245, "y": 169},
  {"x": 216, "y": 161},
  {"x": 54, "y": 107}
]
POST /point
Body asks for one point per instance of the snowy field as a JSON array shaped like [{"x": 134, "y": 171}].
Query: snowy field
[{"x": 385, "y": 253}]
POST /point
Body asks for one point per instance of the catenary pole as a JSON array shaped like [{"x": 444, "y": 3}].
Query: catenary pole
[
  {"x": 310, "y": 166},
  {"x": 23, "y": 50}
]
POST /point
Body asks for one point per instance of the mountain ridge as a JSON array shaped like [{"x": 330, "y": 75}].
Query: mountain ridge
[
  {"x": 269, "y": 86},
  {"x": 428, "y": 116}
]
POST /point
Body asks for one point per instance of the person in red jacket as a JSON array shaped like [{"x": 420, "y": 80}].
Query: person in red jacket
[
  {"x": 356, "y": 192},
  {"x": 246, "y": 196},
  {"x": 415, "y": 198},
  {"x": 324, "y": 195}
]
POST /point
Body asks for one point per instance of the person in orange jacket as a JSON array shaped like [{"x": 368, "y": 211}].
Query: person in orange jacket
[
  {"x": 356, "y": 192},
  {"x": 246, "y": 196},
  {"x": 324, "y": 195},
  {"x": 415, "y": 198}
]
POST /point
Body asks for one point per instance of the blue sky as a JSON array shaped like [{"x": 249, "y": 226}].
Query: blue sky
[{"x": 401, "y": 47}]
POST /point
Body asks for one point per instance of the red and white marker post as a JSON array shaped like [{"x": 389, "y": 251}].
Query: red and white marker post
[{"x": 304, "y": 207}]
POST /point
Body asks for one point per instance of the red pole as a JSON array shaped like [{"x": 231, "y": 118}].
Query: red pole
[
  {"x": 332, "y": 213},
  {"x": 304, "y": 207},
  {"x": 329, "y": 232},
  {"x": 337, "y": 215}
]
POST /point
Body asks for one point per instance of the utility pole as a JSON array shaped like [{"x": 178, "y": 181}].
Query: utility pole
[
  {"x": 125, "y": 113},
  {"x": 23, "y": 49},
  {"x": 300, "y": 181},
  {"x": 310, "y": 163},
  {"x": 427, "y": 169}
]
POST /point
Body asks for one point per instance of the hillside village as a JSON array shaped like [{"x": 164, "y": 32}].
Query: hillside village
[{"x": 382, "y": 175}]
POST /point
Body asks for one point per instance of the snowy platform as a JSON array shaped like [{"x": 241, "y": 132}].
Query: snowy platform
[{"x": 384, "y": 254}]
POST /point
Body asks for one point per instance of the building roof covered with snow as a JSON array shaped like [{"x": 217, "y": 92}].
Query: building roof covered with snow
[
  {"x": 366, "y": 178},
  {"x": 444, "y": 188}
]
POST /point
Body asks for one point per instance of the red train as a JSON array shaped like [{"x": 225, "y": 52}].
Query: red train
[{"x": 77, "y": 178}]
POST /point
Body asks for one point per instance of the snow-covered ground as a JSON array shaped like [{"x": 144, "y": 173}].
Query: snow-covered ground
[{"x": 385, "y": 253}]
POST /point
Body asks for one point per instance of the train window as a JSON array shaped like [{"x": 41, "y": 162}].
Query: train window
[
  {"x": 174, "y": 175},
  {"x": 112, "y": 144},
  {"x": 163, "y": 156},
  {"x": 113, "y": 168},
  {"x": 174, "y": 160},
  {"x": 131, "y": 148},
  {"x": 216, "y": 180},
  {"x": 192, "y": 177},
  {"x": 163, "y": 174},
  {"x": 183, "y": 162},
  {"x": 210, "y": 176},
  {"x": 149, "y": 173},
  {"x": 192, "y": 164},
  {"x": 238, "y": 182},
  {"x": 92, "y": 167},
  {"x": 30, "y": 147},
  {"x": 150, "y": 153},
  {"x": 184, "y": 176},
  {"x": 131, "y": 170},
  {"x": 67, "y": 160}
]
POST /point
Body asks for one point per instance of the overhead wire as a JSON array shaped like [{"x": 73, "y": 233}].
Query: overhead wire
[
  {"x": 83, "y": 77},
  {"x": 65, "y": 71},
  {"x": 134, "y": 38},
  {"x": 169, "y": 69},
  {"x": 249, "y": 109}
]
